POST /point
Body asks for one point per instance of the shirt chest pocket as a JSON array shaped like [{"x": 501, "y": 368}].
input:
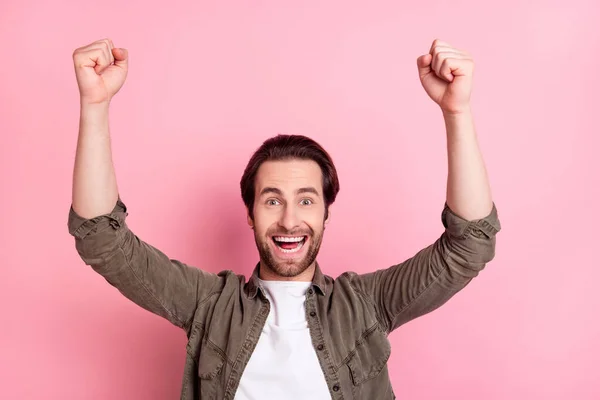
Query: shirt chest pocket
[
  {"x": 211, "y": 364},
  {"x": 368, "y": 361}
]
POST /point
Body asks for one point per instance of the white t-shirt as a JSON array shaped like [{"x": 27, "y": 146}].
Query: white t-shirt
[{"x": 284, "y": 364}]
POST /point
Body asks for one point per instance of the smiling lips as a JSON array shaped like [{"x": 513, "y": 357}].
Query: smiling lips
[{"x": 289, "y": 244}]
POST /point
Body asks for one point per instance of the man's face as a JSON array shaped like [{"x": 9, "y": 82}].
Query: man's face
[{"x": 289, "y": 212}]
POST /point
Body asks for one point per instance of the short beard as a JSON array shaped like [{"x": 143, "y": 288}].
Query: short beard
[{"x": 288, "y": 269}]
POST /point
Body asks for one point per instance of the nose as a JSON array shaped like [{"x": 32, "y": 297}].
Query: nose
[{"x": 289, "y": 219}]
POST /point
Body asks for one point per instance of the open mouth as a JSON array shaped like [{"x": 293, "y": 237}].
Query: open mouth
[{"x": 289, "y": 244}]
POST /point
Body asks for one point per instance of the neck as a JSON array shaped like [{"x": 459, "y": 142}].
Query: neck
[{"x": 267, "y": 274}]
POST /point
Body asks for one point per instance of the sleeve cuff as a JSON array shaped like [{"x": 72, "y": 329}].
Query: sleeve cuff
[
  {"x": 80, "y": 227},
  {"x": 459, "y": 227}
]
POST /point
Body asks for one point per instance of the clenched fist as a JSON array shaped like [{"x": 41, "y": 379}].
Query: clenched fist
[
  {"x": 447, "y": 76},
  {"x": 101, "y": 70}
]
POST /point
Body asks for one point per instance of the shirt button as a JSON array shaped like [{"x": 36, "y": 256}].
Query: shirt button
[
  {"x": 320, "y": 347},
  {"x": 312, "y": 314},
  {"x": 336, "y": 388}
]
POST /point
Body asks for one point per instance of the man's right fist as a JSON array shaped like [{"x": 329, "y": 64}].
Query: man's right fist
[{"x": 101, "y": 70}]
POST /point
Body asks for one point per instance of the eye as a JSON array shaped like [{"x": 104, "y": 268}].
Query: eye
[
  {"x": 272, "y": 202},
  {"x": 306, "y": 202}
]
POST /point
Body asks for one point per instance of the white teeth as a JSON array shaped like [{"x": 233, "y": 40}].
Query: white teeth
[
  {"x": 298, "y": 240},
  {"x": 289, "y": 239}
]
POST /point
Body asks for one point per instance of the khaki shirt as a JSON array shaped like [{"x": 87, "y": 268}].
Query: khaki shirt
[{"x": 223, "y": 314}]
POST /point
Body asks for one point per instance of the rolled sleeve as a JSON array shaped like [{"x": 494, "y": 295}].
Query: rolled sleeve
[
  {"x": 460, "y": 227},
  {"x": 471, "y": 242},
  {"x": 80, "y": 227}
]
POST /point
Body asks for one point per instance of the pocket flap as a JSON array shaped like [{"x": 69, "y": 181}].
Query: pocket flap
[{"x": 370, "y": 356}]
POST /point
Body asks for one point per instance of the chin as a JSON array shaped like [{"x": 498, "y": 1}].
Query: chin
[{"x": 289, "y": 269}]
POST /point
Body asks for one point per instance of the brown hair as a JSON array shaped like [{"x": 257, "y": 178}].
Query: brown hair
[{"x": 286, "y": 147}]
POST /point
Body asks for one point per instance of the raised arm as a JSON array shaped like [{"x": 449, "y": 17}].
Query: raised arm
[
  {"x": 100, "y": 70},
  {"x": 447, "y": 76},
  {"x": 141, "y": 272},
  {"x": 430, "y": 278}
]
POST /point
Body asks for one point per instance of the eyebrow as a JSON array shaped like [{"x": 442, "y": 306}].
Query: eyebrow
[{"x": 280, "y": 193}]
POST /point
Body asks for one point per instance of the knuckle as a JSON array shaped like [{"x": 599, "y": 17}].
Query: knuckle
[{"x": 78, "y": 54}]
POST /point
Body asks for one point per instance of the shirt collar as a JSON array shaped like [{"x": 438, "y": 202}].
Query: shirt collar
[{"x": 319, "y": 281}]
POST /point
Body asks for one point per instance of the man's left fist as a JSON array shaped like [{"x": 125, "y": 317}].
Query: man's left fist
[{"x": 447, "y": 75}]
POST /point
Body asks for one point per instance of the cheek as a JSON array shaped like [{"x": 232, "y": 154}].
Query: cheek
[
  {"x": 262, "y": 222},
  {"x": 316, "y": 223},
  {"x": 315, "y": 217}
]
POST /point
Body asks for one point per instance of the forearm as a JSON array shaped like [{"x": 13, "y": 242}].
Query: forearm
[
  {"x": 468, "y": 191},
  {"x": 94, "y": 182}
]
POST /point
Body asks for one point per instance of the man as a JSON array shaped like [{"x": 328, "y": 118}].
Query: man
[{"x": 289, "y": 332}]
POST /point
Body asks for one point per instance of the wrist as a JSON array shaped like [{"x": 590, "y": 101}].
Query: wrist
[
  {"x": 91, "y": 110},
  {"x": 93, "y": 116},
  {"x": 459, "y": 125},
  {"x": 463, "y": 112}
]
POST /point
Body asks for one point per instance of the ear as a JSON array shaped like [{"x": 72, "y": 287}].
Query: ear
[
  {"x": 328, "y": 216},
  {"x": 249, "y": 220}
]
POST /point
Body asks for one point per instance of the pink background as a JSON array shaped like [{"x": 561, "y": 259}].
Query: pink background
[{"x": 208, "y": 83}]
